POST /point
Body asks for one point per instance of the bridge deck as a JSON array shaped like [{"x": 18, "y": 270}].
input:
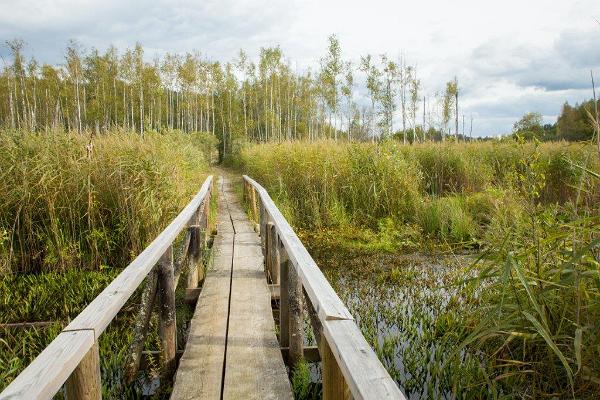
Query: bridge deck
[{"x": 232, "y": 351}]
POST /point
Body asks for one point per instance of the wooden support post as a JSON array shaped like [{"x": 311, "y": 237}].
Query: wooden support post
[
  {"x": 296, "y": 316},
  {"x": 284, "y": 299},
  {"x": 193, "y": 276},
  {"x": 274, "y": 254},
  {"x": 334, "y": 385},
  {"x": 142, "y": 321},
  {"x": 206, "y": 220},
  {"x": 269, "y": 249},
  {"x": 254, "y": 209},
  {"x": 314, "y": 318},
  {"x": 263, "y": 223},
  {"x": 84, "y": 382},
  {"x": 167, "y": 326}
]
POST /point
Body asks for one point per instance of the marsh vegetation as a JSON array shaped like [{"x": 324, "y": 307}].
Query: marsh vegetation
[{"x": 472, "y": 269}]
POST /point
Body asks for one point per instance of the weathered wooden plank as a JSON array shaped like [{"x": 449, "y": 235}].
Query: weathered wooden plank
[
  {"x": 200, "y": 371},
  {"x": 311, "y": 354},
  {"x": 363, "y": 372},
  {"x": 43, "y": 378},
  {"x": 254, "y": 364},
  {"x": 326, "y": 302}
]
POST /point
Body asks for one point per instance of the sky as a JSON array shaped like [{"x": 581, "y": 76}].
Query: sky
[{"x": 510, "y": 56}]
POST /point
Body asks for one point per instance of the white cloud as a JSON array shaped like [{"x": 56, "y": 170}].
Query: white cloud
[{"x": 510, "y": 57}]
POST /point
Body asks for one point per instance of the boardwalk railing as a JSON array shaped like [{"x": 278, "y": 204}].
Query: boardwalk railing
[
  {"x": 350, "y": 367},
  {"x": 72, "y": 358}
]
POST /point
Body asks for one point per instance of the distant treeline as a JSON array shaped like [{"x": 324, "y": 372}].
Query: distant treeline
[
  {"x": 260, "y": 102},
  {"x": 575, "y": 123},
  {"x": 263, "y": 101}
]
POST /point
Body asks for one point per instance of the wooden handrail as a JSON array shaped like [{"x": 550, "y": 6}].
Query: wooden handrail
[
  {"x": 362, "y": 374},
  {"x": 43, "y": 378}
]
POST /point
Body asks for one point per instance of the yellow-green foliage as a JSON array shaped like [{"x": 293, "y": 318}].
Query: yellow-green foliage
[
  {"x": 326, "y": 183},
  {"x": 450, "y": 190},
  {"x": 64, "y": 203}
]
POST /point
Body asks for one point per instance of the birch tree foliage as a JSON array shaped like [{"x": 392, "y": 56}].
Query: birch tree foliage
[{"x": 258, "y": 100}]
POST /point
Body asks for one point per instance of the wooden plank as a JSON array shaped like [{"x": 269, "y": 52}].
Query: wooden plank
[
  {"x": 44, "y": 377},
  {"x": 363, "y": 372},
  {"x": 326, "y": 302},
  {"x": 311, "y": 354},
  {"x": 200, "y": 371},
  {"x": 254, "y": 364}
]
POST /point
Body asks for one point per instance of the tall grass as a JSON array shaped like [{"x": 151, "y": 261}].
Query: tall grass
[
  {"x": 67, "y": 202},
  {"x": 532, "y": 299},
  {"x": 449, "y": 191},
  {"x": 73, "y": 212}
]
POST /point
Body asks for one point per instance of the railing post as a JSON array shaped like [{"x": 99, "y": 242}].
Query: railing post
[
  {"x": 84, "y": 382},
  {"x": 284, "y": 299},
  {"x": 167, "y": 325},
  {"x": 193, "y": 276},
  {"x": 269, "y": 250},
  {"x": 142, "y": 321},
  {"x": 334, "y": 384},
  {"x": 273, "y": 256},
  {"x": 296, "y": 352},
  {"x": 254, "y": 210}
]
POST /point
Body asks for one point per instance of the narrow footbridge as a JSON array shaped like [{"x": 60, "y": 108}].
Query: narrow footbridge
[{"x": 256, "y": 296}]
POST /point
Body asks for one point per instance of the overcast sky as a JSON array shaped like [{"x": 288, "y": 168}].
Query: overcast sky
[{"x": 510, "y": 56}]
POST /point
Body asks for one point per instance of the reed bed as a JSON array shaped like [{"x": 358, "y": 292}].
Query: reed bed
[
  {"x": 74, "y": 211},
  {"x": 70, "y": 202},
  {"x": 517, "y": 318},
  {"x": 451, "y": 192}
]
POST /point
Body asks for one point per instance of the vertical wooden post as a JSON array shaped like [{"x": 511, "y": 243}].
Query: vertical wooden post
[
  {"x": 84, "y": 382},
  {"x": 194, "y": 257},
  {"x": 296, "y": 353},
  {"x": 284, "y": 299},
  {"x": 334, "y": 384},
  {"x": 254, "y": 210},
  {"x": 167, "y": 326},
  {"x": 269, "y": 250},
  {"x": 274, "y": 254}
]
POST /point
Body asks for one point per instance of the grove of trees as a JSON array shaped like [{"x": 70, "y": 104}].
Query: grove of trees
[{"x": 257, "y": 101}]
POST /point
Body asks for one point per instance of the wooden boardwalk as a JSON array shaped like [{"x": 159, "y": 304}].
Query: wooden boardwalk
[{"x": 232, "y": 351}]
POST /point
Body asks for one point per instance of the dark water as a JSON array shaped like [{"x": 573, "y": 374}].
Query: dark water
[{"x": 409, "y": 307}]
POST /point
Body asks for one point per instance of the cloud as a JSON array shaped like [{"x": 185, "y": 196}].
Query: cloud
[{"x": 510, "y": 57}]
